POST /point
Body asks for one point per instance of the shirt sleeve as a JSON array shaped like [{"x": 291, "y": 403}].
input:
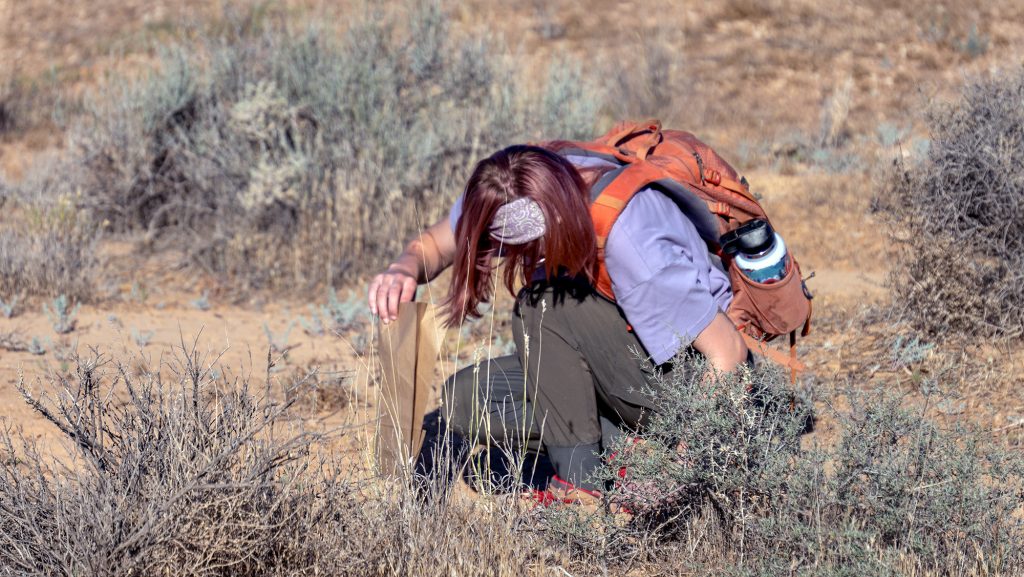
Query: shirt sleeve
[
  {"x": 661, "y": 274},
  {"x": 455, "y": 213}
]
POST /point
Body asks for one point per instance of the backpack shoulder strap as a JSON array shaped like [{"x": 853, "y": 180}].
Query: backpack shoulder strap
[{"x": 609, "y": 204}]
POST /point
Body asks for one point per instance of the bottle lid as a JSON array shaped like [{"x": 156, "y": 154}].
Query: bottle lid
[{"x": 753, "y": 237}]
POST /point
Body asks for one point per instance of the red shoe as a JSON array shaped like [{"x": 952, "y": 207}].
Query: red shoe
[{"x": 561, "y": 491}]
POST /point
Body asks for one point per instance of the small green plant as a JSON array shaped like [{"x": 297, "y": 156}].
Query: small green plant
[
  {"x": 62, "y": 314},
  {"x": 141, "y": 338},
  {"x": 890, "y": 134},
  {"x": 907, "y": 351},
  {"x": 139, "y": 293},
  {"x": 314, "y": 325},
  {"x": 975, "y": 43},
  {"x": 9, "y": 308},
  {"x": 279, "y": 341},
  {"x": 202, "y": 303},
  {"x": 36, "y": 347},
  {"x": 344, "y": 315}
]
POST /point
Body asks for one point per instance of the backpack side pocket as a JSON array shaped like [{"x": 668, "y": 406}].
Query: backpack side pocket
[{"x": 765, "y": 311}]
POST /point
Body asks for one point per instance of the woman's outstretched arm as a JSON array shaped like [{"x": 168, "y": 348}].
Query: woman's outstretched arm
[
  {"x": 423, "y": 259},
  {"x": 722, "y": 344}
]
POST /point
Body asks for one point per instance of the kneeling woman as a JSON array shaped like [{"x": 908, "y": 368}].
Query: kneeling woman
[{"x": 579, "y": 355}]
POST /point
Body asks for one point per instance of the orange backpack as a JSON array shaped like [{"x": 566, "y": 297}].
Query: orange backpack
[{"x": 715, "y": 198}]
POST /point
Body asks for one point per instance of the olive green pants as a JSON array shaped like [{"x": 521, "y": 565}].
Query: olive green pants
[{"x": 576, "y": 378}]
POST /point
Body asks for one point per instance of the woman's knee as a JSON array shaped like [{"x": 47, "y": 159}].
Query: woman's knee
[{"x": 470, "y": 393}]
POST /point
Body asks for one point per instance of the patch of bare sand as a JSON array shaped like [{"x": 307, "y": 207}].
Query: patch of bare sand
[{"x": 147, "y": 338}]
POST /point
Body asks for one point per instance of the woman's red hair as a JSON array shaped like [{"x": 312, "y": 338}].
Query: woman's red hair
[{"x": 568, "y": 246}]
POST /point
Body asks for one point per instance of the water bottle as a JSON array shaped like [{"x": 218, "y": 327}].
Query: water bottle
[{"x": 758, "y": 251}]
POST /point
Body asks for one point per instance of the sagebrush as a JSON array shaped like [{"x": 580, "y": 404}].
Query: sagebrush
[
  {"x": 719, "y": 483},
  {"x": 286, "y": 158},
  {"x": 48, "y": 249},
  {"x": 199, "y": 474},
  {"x": 959, "y": 216}
]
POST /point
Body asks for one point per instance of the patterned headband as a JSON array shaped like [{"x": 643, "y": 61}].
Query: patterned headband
[{"x": 518, "y": 222}]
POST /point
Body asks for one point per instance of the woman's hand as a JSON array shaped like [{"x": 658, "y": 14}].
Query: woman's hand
[
  {"x": 389, "y": 288},
  {"x": 424, "y": 258}
]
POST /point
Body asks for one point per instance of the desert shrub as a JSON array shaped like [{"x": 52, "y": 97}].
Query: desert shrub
[
  {"x": 19, "y": 104},
  {"x": 719, "y": 482},
  {"x": 292, "y": 158},
  {"x": 31, "y": 102},
  {"x": 648, "y": 85},
  {"x": 47, "y": 250},
  {"x": 10, "y": 105},
  {"x": 198, "y": 478},
  {"x": 199, "y": 475},
  {"x": 958, "y": 216}
]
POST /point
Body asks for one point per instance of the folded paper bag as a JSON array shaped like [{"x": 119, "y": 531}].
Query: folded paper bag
[{"x": 408, "y": 351}]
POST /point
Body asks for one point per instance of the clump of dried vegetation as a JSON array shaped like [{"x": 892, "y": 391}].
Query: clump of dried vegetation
[
  {"x": 958, "y": 216},
  {"x": 200, "y": 475},
  {"x": 290, "y": 158},
  {"x": 47, "y": 248}
]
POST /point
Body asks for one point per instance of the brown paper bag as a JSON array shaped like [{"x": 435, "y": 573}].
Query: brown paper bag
[{"x": 408, "y": 355}]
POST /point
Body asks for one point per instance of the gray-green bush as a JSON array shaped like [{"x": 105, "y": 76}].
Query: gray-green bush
[
  {"x": 959, "y": 216},
  {"x": 165, "y": 480},
  {"x": 202, "y": 475},
  {"x": 289, "y": 159},
  {"x": 720, "y": 482}
]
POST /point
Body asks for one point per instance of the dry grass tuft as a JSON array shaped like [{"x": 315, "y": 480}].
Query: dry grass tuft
[{"x": 48, "y": 250}]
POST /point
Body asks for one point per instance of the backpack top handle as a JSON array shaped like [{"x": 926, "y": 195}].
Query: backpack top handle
[{"x": 642, "y": 138}]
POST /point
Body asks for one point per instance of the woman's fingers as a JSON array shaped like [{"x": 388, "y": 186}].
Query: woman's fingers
[
  {"x": 409, "y": 286},
  {"x": 394, "y": 295},
  {"x": 386, "y": 291},
  {"x": 371, "y": 293}
]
